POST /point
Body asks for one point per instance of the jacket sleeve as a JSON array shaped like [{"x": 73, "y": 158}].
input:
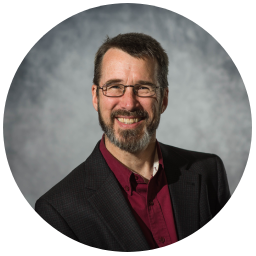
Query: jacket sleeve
[
  {"x": 52, "y": 217},
  {"x": 223, "y": 188},
  {"x": 223, "y": 204}
]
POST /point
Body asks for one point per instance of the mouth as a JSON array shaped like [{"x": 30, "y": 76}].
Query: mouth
[{"x": 129, "y": 122}]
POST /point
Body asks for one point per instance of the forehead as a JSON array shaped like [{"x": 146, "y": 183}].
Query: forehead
[{"x": 117, "y": 64}]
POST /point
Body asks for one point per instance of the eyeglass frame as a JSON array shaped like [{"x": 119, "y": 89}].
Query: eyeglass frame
[{"x": 125, "y": 86}]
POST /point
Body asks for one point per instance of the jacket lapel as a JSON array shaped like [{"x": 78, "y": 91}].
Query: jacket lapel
[
  {"x": 184, "y": 187},
  {"x": 111, "y": 206}
]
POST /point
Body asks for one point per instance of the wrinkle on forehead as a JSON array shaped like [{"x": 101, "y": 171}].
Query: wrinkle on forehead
[{"x": 117, "y": 64}]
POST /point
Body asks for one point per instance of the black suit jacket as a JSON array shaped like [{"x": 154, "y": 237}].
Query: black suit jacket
[{"x": 88, "y": 204}]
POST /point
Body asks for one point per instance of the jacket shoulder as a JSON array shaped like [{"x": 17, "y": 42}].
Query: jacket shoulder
[
  {"x": 185, "y": 153},
  {"x": 69, "y": 186},
  {"x": 209, "y": 167},
  {"x": 73, "y": 186}
]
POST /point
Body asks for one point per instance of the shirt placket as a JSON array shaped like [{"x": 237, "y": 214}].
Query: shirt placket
[{"x": 156, "y": 219}]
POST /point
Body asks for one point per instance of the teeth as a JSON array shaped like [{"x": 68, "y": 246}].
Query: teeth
[{"x": 128, "y": 121}]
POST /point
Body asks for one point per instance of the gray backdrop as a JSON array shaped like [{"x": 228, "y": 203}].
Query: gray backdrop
[{"x": 50, "y": 125}]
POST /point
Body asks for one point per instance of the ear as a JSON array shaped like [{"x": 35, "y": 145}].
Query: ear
[
  {"x": 165, "y": 100},
  {"x": 94, "y": 97}
]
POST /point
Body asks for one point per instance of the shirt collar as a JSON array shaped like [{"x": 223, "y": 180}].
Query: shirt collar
[
  {"x": 121, "y": 172},
  {"x": 156, "y": 163}
]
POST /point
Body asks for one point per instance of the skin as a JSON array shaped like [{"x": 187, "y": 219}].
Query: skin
[{"x": 117, "y": 64}]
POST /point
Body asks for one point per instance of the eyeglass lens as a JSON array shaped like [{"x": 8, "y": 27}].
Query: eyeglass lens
[{"x": 116, "y": 90}]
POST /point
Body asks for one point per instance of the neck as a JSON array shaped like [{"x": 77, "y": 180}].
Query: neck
[{"x": 140, "y": 162}]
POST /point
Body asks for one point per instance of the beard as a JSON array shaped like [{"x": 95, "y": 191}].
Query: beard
[{"x": 131, "y": 140}]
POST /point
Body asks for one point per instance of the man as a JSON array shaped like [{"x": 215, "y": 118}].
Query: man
[{"x": 134, "y": 193}]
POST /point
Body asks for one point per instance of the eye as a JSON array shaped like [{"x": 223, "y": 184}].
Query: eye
[
  {"x": 115, "y": 87},
  {"x": 144, "y": 88}
]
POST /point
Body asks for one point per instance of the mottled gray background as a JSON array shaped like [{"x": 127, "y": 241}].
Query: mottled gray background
[{"x": 50, "y": 125}]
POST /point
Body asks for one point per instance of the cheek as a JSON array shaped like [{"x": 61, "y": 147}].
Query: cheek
[
  {"x": 107, "y": 105},
  {"x": 103, "y": 103},
  {"x": 150, "y": 109},
  {"x": 156, "y": 112}
]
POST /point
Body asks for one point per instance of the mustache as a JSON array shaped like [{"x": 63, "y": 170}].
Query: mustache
[{"x": 121, "y": 112}]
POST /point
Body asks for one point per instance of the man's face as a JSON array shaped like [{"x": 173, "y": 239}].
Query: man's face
[{"x": 129, "y": 121}]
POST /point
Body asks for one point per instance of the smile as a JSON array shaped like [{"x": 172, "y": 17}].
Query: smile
[{"x": 128, "y": 120}]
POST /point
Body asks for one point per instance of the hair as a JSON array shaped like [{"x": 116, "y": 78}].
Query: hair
[{"x": 137, "y": 45}]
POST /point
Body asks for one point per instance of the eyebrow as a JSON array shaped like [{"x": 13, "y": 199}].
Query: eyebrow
[{"x": 141, "y": 82}]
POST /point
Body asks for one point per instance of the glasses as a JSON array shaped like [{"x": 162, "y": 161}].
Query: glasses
[{"x": 118, "y": 90}]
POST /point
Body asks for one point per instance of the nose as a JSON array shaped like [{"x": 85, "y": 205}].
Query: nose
[{"x": 129, "y": 100}]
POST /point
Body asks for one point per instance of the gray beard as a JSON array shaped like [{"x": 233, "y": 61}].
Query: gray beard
[{"x": 131, "y": 140}]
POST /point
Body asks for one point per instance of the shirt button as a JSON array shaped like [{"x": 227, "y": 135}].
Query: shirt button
[
  {"x": 161, "y": 239},
  {"x": 127, "y": 188},
  {"x": 151, "y": 203}
]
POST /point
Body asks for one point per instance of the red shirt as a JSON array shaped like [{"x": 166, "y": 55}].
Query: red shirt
[{"x": 150, "y": 203}]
